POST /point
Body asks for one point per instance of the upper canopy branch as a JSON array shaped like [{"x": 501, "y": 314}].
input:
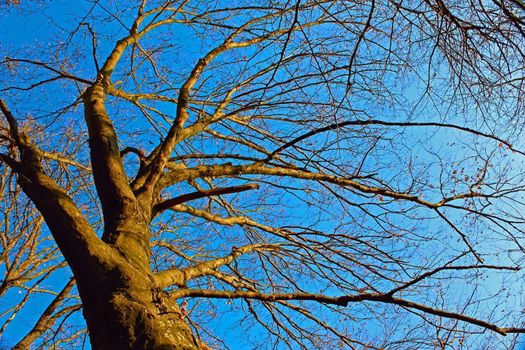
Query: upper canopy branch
[
  {"x": 175, "y": 134},
  {"x": 449, "y": 268},
  {"x": 60, "y": 73},
  {"x": 340, "y": 125},
  {"x": 259, "y": 168},
  {"x": 343, "y": 301}
]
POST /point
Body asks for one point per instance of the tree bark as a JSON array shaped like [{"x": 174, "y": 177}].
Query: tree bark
[{"x": 125, "y": 309}]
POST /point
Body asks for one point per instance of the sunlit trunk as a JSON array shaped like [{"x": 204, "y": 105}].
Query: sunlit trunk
[{"x": 127, "y": 311}]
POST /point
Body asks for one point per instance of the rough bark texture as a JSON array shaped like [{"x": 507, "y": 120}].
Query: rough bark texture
[{"x": 127, "y": 311}]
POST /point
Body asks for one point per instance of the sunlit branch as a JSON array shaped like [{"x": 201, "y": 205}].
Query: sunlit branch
[
  {"x": 182, "y": 276},
  {"x": 260, "y": 168},
  {"x": 73, "y": 234},
  {"x": 342, "y": 301},
  {"x": 183, "y": 99},
  {"x": 229, "y": 221},
  {"x": 160, "y": 207}
]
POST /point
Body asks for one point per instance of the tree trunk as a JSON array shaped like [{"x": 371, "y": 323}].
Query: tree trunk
[
  {"x": 123, "y": 305},
  {"x": 127, "y": 311}
]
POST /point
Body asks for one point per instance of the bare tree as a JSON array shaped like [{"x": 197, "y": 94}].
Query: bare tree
[{"x": 308, "y": 174}]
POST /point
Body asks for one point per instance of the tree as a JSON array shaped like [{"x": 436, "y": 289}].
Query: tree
[{"x": 330, "y": 173}]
